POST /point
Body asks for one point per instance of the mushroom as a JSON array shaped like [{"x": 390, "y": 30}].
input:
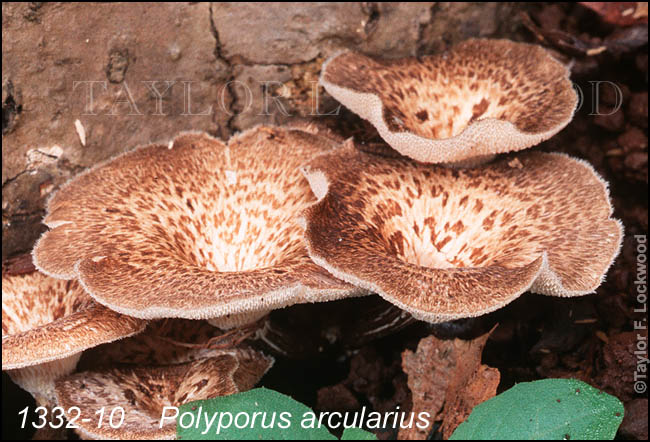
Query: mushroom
[
  {"x": 166, "y": 365},
  {"x": 445, "y": 244},
  {"x": 481, "y": 98},
  {"x": 197, "y": 229},
  {"x": 46, "y": 324},
  {"x": 139, "y": 394}
]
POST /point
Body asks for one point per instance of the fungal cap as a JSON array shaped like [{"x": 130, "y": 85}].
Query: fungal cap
[
  {"x": 45, "y": 319},
  {"x": 198, "y": 231},
  {"x": 481, "y": 98},
  {"x": 144, "y": 392},
  {"x": 46, "y": 324},
  {"x": 446, "y": 244}
]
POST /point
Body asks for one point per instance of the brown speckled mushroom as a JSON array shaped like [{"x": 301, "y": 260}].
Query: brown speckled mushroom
[
  {"x": 481, "y": 98},
  {"x": 444, "y": 243},
  {"x": 143, "y": 392},
  {"x": 195, "y": 229},
  {"x": 46, "y": 324}
]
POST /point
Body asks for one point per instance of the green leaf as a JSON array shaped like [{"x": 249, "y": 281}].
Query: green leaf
[
  {"x": 357, "y": 434},
  {"x": 276, "y": 417},
  {"x": 551, "y": 409}
]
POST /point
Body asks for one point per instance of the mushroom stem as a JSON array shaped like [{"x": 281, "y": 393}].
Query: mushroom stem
[
  {"x": 38, "y": 380},
  {"x": 238, "y": 320}
]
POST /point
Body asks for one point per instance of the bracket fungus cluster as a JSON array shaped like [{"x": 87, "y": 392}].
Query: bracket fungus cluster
[
  {"x": 445, "y": 243},
  {"x": 226, "y": 232}
]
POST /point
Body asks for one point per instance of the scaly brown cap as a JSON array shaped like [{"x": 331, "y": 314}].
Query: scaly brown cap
[
  {"x": 143, "y": 392},
  {"x": 45, "y": 319},
  {"x": 46, "y": 324},
  {"x": 445, "y": 244},
  {"x": 481, "y": 98},
  {"x": 194, "y": 229}
]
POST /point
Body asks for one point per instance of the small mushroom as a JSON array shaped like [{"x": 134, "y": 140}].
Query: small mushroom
[
  {"x": 481, "y": 98},
  {"x": 202, "y": 230},
  {"x": 140, "y": 394},
  {"x": 46, "y": 324},
  {"x": 229, "y": 322},
  {"x": 445, "y": 244}
]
